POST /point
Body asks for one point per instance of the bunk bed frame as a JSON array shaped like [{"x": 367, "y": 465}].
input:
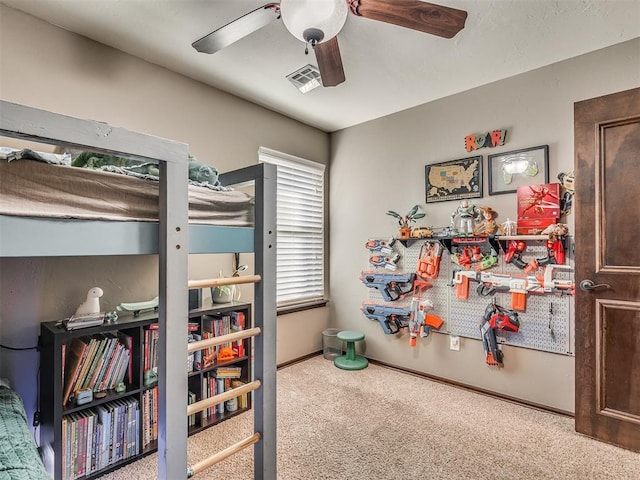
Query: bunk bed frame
[{"x": 22, "y": 237}]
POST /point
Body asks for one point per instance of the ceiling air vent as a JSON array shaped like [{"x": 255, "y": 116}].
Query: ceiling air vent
[{"x": 306, "y": 78}]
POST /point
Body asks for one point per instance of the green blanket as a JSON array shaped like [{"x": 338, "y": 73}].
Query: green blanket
[{"x": 19, "y": 458}]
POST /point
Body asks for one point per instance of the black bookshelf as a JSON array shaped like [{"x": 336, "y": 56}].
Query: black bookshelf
[{"x": 54, "y": 338}]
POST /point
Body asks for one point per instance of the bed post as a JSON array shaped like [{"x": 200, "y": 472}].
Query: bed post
[
  {"x": 173, "y": 318},
  {"x": 265, "y": 451}
]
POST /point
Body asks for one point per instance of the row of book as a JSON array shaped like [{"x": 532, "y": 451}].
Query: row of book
[
  {"x": 211, "y": 327},
  {"x": 100, "y": 436},
  {"x": 150, "y": 415},
  {"x": 98, "y": 362},
  {"x": 151, "y": 349},
  {"x": 150, "y": 355},
  {"x": 218, "y": 326},
  {"x": 219, "y": 381},
  {"x": 211, "y": 385}
]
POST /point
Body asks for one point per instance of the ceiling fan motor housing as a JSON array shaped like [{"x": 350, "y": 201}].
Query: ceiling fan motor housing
[
  {"x": 314, "y": 21},
  {"x": 313, "y": 36}
]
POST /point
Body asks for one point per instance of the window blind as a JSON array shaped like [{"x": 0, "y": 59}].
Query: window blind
[{"x": 300, "y": 228}]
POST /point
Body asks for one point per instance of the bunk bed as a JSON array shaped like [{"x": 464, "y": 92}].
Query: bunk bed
[{"x": 21, "y": 236}]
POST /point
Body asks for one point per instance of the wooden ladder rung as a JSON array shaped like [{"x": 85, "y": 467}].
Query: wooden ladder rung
[
  {"x": 222, "y": 397},
  {"x": 219, "y": 282},
  {"x": 223, "y": 454},
  {"x": 230, "y": 337}
]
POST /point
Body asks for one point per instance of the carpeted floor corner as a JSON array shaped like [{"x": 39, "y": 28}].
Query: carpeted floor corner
[{"x": 379, "y": 423}]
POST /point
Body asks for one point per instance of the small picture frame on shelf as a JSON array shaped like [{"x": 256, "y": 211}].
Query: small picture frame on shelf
[
  {"x": 518, "y": 168},
  {"x": 454, "y": 180}
]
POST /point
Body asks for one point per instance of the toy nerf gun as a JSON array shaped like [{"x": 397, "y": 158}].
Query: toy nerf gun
[
  {"x": 429, "y": 260},
  {"x": 513, "y": 256},
  {"x": 555, "y": 255},
  {"x": 518, "y": 285},
  {"x": 421, "y": 321},
  {"x": 392, "y": 286},
  {"x": 385, "y": 262},
  {"x": 496, "y": 318},
  {"x": 391, "y": 318},
  {"x": 384, "y": 247}
]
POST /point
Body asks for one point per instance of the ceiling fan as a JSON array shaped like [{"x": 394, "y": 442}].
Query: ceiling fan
[{"x": 318, "y": 22}]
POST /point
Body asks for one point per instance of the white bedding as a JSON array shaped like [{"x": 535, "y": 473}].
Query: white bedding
[{"x": 34, "y": 189}]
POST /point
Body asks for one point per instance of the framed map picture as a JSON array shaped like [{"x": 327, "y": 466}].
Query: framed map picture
[{"x": 454, "y": 180}]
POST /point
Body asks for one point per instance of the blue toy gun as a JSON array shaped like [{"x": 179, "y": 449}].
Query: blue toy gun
[
  {"x": 392, "y": 286},
  {"x": 390, "y": 317}
]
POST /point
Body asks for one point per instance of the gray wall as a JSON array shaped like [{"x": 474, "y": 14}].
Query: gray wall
[
  {"x": 46, "y": 67},
  {"x": 379, "y": 166}
]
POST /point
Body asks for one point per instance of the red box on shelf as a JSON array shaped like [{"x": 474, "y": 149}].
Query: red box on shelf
[
  {"x": 539, "y": 202},
  {"x": 534, "y": 226}
]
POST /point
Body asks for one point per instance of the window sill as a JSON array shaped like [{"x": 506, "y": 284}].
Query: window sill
[{"x": 301, "y": 307}]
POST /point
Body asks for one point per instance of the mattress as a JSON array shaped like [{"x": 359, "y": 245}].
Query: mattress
[
  {"x": 31, "y": 188},
  {"x": 19, "y": 458}
]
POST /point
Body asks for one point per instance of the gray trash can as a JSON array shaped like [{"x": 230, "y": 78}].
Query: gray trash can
[{"x": 331, "y": 346}]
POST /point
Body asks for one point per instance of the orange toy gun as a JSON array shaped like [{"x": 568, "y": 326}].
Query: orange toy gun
[
  {"x": 518, "y": 285},
  {"x": 429, "y": 260},
  {"x": 421, "y": 322}
]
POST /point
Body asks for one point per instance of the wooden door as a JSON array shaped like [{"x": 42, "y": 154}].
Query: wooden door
[{"x": 607, "y": 258}]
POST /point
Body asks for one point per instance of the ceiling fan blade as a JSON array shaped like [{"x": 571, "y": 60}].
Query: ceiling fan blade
[
  {"x": 329, "y": 62},
  {"x": 238, "y": 28},
  {"x": 425, "y": 17}
]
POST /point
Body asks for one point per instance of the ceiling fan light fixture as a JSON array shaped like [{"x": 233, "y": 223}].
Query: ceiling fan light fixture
[{"x": 314, "y": 21}]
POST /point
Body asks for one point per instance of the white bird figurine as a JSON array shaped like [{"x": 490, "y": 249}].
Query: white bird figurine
[{"x": 92, "y": 303}]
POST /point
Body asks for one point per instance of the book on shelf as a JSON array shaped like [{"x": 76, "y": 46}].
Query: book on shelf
[
  {"x": 242, "y": 399},
  {"x": 86, "y": 363},
  {"x": 149, "y": 416},
  {"x": 151, "y": 337},
  {"x": 127, "y": 341},
  {"x": 237, "y": 325},
  {"x": 194, "y": 359},
  {"x": 107, "y": 378},
  {"x": 209, "y": 354},
  {"x": 220, "y": 389},
  {"x": 107, "y": 357},
  {"x": 83, "y": 321},
  {"x": 99, "y": 363},
  {"x": 228, "y": 372},
  {"x": 191, "y": 326},
  {"x": 191, "y": 399},
  {"x": 76, "y": 354},
  {"x": 197, "y": 355},
  {"x": 94, "y": 359}
]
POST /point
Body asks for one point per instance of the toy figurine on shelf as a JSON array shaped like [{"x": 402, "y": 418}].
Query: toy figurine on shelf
[
  {"x": 467, "y": 213},
  {"x": 412, "y": 216},
  {"x": 567, "y": 184},
  {"x": 488, "y": 225},
  {"x": 509, "y": 227},
  {"x": 555, "y": 248}
]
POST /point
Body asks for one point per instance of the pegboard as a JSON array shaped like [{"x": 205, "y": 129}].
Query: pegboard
[{"x": 547, "y": 324}]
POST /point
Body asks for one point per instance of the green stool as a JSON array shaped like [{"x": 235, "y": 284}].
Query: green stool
[{"x": 351, "y": 361}]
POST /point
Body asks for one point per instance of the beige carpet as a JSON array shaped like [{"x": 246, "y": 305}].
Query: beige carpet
[{"x": 382, "y": 424}]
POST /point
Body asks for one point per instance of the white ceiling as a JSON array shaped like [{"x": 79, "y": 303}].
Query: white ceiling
[{"x": 387, "y": 68}]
